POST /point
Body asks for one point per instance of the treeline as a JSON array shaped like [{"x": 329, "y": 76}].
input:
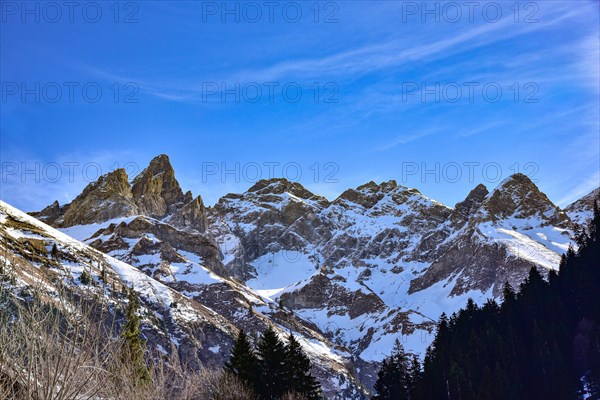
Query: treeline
[
  {"x": 540, "y": 343},
  {"x": 273, "y": 370}
]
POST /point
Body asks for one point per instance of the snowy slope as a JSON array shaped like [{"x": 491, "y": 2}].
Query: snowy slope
[
  {"x": 85, "y": 257},
  {"x": 206, "y": 334},
  {"x": 581, "y": 211}
]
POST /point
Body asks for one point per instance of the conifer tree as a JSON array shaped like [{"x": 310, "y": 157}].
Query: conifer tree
[
  {"x": 272, "y": 359},
  {"x": 385, "y": 384},
  {"x": 54, "y": 252},
  {"x": 84, "y": 278},
  {"x": 394, "y": 380},
  {"x": 243, "y": 362},
  {"x": 298, "y": 376},
  {"x": 414, "y": 373},
  {"x": 134, "y": 344}
]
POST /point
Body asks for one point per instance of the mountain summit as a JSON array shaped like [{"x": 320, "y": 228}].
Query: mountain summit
[
  {"x": 154, "y": 192},
  {"x": 518, "y": 197},
  {"x": 155, "y": 189}
]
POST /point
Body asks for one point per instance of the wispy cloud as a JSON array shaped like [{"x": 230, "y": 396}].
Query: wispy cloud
[
  {"x": 580, "y": 189},
  {"x": 410, "y": 137},
  {"x": 393, "y": 52},
  {"x": 31, "y": 183}
]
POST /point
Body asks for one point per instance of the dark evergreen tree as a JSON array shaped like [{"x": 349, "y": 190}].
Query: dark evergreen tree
[
  {"x": 385, "y": 384},
  {"x": 414, "y": 374},
  {"x": 134, "y": 345},
  {"x": 272, "y": 359},
  {"x": 243, "y": 362},
  {"x": 394, "y": 380},
  {"x": 54, "y": 252},
  {"x": 84, "y": 278},
  {"x": 297, "y": 370}
]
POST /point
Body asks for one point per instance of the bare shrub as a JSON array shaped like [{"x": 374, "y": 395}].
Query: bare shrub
[
  {"x": 56, "y": 347},
  {"x": 208, "y": 384},
  {"x": 294, "y": 396},
  {"x": 63, "y": 347}
]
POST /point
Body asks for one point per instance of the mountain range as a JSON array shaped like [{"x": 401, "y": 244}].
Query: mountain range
[{"x": 381, "y": 262}]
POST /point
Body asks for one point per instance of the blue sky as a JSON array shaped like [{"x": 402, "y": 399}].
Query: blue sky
[{"x": 386, "y": 92}]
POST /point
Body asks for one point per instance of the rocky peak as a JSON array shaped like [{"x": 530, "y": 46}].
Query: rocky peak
[
  {"x": 518, "y": 197},
  {"x": 369, "y": 194},
  {"x": 273, "y": 194},
  {"x": 116, "y": 181},
  {"x": 581, "y": 211},
  {"x": 155, "y": 189},
  {"x": 191, "y": 215},
  {"x": 187, "y": 197},
  {"x": 50, "y": 213},
  {"x": 383, "y": 187},
  {"x": 279, "y": 186},
  {"x": 107, "y": 198},
  {"x": 471, "y": 203}
]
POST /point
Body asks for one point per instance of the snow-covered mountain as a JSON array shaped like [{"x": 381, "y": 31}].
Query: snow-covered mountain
[
  {"x": 350, "y": 276},
  {"x": 582, "y": 210},
  {"x": 200, "y": 332}
]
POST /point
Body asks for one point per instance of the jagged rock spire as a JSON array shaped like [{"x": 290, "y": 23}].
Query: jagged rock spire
[
  {"x": 192, "y": 215},
  {"x": 155, "y": 189},
  {"x": 471, "y": 203}
]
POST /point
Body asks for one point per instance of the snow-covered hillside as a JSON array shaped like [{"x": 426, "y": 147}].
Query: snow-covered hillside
[{"x": 175, "y": 320}]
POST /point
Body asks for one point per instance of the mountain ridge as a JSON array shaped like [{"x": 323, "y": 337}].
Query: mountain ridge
[{"x": 380, "y": 261}]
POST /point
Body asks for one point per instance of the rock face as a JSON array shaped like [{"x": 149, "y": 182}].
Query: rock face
[
  {"x": 50, "y": 214},
  {"x": 464, "y": 209},
  {"x": 154, "y": 192},
  {"x": 582, "y": 210},
  {"x": 191, "y": 216},
  {"x": 109, "y": 197},
  {"x": 516, "y": 227},
  {"x": 257, "y": 223},
  {"x": 381, "y": 261},
  {"x": 155, "y": 189},
  {"x": 518, "y": 197}
]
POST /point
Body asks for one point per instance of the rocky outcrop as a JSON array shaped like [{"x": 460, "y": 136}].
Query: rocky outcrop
[
  {"x": 473, "y": 265},
  {"x": 51, "y": 213},
  {"x": 273, "y": 215},
  {"x": 518, "y": 197},
  {"x": 326, "y": 289},
  {"x": 278, "y": 186},
  {"x": 582, "y": 210},
  {"x": 385, "y": 221},
  {"x": 503, "y": 238},
  {"x": 464, "y": 209},
  {"x": 138, "y": 231},
  {"x": 107, "y": 198},
  {"x": 155, "y": 190},
  {"x": 191, "y": 216}
]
